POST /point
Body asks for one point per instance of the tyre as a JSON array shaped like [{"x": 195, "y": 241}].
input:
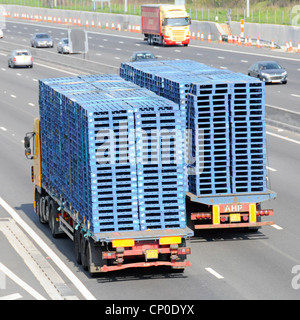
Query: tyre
[
  {"x": 94, "y": 257},
  {"x": 77, "y": 246},
  {"x": 163, "y": 42},
  {"x": 53, "y": 223},
  {"x": 41, "y": 212},
  {"x": 83, "y": 249}
]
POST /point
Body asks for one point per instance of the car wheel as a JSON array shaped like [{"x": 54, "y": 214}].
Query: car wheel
[{"x": 284, "y": 82}]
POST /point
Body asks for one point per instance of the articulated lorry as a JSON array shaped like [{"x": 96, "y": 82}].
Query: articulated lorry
[
  {"x": 165, "y": 24},
  {"x": 94, "y": 182},
  {"x": 226, "y": 150}
]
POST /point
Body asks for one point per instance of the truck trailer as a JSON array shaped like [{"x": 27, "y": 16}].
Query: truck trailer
[
  {"x": 225, "y": 139},
  {"x": 91, "y": 178},
  {"x": 165, "y": 24}
]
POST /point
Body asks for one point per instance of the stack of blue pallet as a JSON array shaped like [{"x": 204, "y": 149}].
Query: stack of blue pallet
[
  {"x": 208, "y": 106},
  {"x": 248, "y": 136},
  {"x": 224, "y": 111},
  {"x": 160, "y": 163},
  {"x": 93, "y": 158}
]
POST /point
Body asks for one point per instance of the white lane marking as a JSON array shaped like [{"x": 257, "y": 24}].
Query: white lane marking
[
  {"x": 34, "y": 260},
  {"x": 31, "y": 104},
  {"x": 221, "y": 57},
  {"x": 13, "y": 96},
  {"x": 213, "y": 272},
  {"x": 3, "y": 129},
  {"x": 276, "y": 226},
  {"x": 295, "y": 95},
  {"x": 271, "y": 169},
  {"x": 20, "y": 282},
  {"x": 223, "y": 67},
  {"x": 38, "y": 240},
  {"x": 13, "y": 296},
  {"x": 244, "y": 61},
  {"x": 56, "y": 69},
  {"x": 18, "y": 74},
  {"x": 35, "y": 80},
  {"x": 118, "y": 58},
  {"x": 283, "y": 138}
]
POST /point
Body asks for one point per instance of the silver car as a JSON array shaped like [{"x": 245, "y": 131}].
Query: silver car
[
  {"x": 63, "y": 46},
  {"x": 268, "y": 71},
  {"x": 20, "y": 58},
  {"x": 40, "y": 40}
]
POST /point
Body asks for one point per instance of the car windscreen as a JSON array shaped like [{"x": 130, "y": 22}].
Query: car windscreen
[
  {"x": 270, "y": 65},
  {"x": 65, "y": 41},
  {"x": 42, "y": 36},
  {"x": 141, "y": 56},
  {"x": 23, "y": 53}
]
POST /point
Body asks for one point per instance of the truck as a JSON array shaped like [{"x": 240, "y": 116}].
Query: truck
[
  {"x": 120, "y": 213},
  {"x": 165, "y": 24},
  {"x": 225, "y": 140}
]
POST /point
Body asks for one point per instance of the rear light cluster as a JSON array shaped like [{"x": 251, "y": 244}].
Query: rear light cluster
[
  {"x": 183, "y": 251},
  {"x": 268, "y": 212},
  {"x": 202, "y": 216}
]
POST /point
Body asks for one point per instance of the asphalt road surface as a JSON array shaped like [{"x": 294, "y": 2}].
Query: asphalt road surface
[{"x": 226, "y": 264}]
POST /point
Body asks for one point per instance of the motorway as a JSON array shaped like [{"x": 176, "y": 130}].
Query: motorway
[{"x": 226, "y": 264}]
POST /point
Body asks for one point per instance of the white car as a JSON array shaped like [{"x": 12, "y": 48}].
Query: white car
[
  {"x": 1, "y": 33},
  {"x": 20, "y": 58}
]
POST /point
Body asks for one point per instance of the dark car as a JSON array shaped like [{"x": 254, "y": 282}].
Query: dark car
[
  {"x": 142, "y": 55},
  {"x": 268, "y": 71},
  {"x": 41, "y": 40}
]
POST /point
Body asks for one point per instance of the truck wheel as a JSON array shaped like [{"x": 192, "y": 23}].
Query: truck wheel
[
  {"x": 41, "y": 212},
  {"x": 83, "y": 257},
  {"x": 77, "y": 246},
  {"x": 53, "y": 224},
  {"x": 163, "y": 42},
  {"x": 149, "y": 39},
  {"x": 94, "y": 257}
]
